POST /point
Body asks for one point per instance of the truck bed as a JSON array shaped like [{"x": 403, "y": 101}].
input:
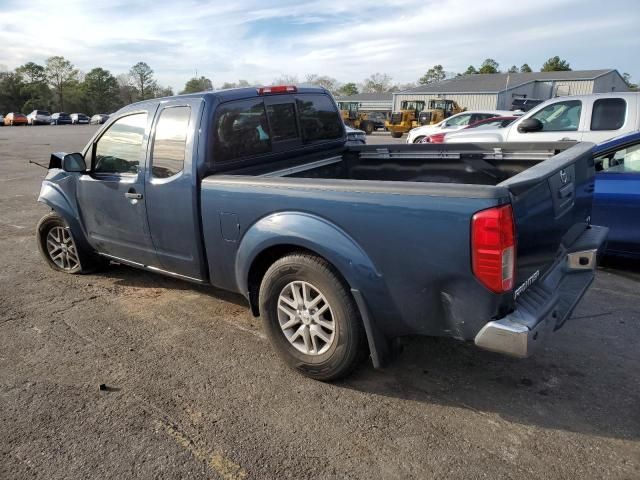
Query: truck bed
[{"x": 471, "y": 164}]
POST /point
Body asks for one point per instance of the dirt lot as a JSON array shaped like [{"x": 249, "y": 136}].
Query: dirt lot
[{"x": 195, "y": 391}]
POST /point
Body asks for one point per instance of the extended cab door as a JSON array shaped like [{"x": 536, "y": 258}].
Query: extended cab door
[
  {"x": 561, "y": 120},
  {"x": 610, "y": 117},
  {"x": 172, "y": 188},
  {"x": 111, "y": 198}
]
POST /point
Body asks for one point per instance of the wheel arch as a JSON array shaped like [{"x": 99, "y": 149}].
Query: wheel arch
[{"x": 273, "y": 238}]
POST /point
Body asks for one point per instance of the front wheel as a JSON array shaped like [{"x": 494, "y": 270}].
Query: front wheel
[
  {"x": 311, "y": 318},
  {"x": 59, "y": 249},
  {"x": 396, "y": 134}
]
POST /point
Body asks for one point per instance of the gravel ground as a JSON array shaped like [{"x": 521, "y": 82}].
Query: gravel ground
[{"x": 195, "y": 391}]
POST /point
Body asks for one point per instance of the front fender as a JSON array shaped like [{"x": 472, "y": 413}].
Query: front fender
[
  {"x": 58, "y": 192},
  {"x": 312, "y": 233}
]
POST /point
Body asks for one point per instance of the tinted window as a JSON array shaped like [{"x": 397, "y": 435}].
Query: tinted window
[
  {"x": 459, "y": 120},
  {"x": 170, "y": 142},
  {"x": 319, "y": 118},
  {"x": 560, "y": 116},
  {"x": 608, "y": 114},
  {"x": 120, "y": 150},
  {"x": 621, "y": 161},
  {"x": 241, "y": 130},
  {"x": 282, "y": 119}
]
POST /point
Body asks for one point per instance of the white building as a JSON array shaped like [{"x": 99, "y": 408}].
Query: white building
[{"x": 498, "y": 90}]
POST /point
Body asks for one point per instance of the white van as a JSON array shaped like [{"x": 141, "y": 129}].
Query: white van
[{"x": 590, "y": 118}]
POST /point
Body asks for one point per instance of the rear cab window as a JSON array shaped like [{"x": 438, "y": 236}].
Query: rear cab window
[
  {"x": 246, "y": 128},
  {"x": 608, "y": 114}
]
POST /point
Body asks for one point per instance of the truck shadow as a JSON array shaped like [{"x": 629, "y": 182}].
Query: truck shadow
[
  {"x": 582, "y": 392},
  {"x": 125, "y": 276}
]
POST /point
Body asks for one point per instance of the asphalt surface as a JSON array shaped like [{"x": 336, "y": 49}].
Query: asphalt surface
[{"x": 194, "y": 389}]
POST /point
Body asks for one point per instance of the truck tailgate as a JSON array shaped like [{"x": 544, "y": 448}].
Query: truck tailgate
[{"x": 551, "y": 207}]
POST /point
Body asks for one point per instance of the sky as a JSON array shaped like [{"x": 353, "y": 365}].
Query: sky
[{"x": 259, "y": 41}]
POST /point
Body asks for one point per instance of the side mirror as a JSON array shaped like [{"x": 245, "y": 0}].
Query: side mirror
[
  {"x": 530, "y": 125},
  {"x": 74, "y": 162}
]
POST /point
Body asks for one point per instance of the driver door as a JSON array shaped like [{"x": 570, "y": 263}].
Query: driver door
[
  {"x": 561, "y": 121},
  {"x": 112, "y": 197}
]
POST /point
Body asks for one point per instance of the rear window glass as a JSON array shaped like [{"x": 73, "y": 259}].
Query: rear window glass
[
  {"x": 42, "y": 112},
  {"x": 170, "y": 142},
  {"x": 241, "y": 130},
  {"x": 282, "y": 119},
  {"x": 319, "y": 118},
  {"x": 608, "y": 114}
]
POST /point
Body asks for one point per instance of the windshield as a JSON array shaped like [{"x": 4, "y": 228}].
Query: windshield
[{"x": 412, "y": 105}]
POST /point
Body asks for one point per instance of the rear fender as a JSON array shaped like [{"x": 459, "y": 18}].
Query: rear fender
[{"x": 316, "y": 234}]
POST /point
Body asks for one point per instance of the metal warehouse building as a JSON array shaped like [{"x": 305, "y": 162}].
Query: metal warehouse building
[
  {"x": 371, "y": 102},
  {"x": 498, "y": 90}
]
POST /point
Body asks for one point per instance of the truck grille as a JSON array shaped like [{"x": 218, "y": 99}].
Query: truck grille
[{"x": 396, "y": 118}]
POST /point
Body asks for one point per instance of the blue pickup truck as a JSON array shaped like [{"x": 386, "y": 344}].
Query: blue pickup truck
[{"x": 341, "y": 249}]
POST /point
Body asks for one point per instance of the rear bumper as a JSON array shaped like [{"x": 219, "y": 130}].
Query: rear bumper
[{"x": 548, "y": 303}]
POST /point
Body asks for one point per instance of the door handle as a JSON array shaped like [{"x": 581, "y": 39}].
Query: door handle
[{"x": 133, "y": 195}]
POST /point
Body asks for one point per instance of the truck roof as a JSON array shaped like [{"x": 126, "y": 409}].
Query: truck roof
[{"x": 227, "y": 94}]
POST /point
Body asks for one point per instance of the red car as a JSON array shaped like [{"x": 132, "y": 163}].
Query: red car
[
  {"x": 15, "y": 119},
  {"x": 489, "y": 122}
]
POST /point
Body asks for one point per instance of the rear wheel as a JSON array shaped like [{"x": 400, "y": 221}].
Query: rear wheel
[
  {"x": 418, "y": 139},
  {"x": 367, "y": 127},
  {"x": 311, "y": 318},
  {"x": 396, "y": 134}
]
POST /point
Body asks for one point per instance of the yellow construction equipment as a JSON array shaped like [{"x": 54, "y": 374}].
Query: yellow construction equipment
[
  {"x": 413, "y": 114},
  {"x": 352, "y": 116}
]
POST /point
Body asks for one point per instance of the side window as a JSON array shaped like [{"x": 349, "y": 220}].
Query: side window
[
  {"x": 319, "y": 119},
  {"x": 282, "y": 119},
  {"x": 241, "y": 130},
  {"x": 624, "y": 160},
  {"x": 459, "y": 120},
  {"x": 119, "y": 149},
  {"x": 560, "y": 116},
  {"x": 170, "y": 142},
  {"x": 608, "y": 114}
]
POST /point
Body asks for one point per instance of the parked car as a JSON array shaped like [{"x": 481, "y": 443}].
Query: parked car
[
  {"x": 378, "y": 119},
  {"x": 79, "y": 118},
  {"x": 1, "y": 120},
  {"x": 616, "y": 202},
  {"x": 15, "y": 118},
  {"x": 454, "y": 123},
  {"x": 355, "y": 136},
  {"x": 39, "y": 117},
  {"x": 495, "y": 122},
  {"x": 337, "y": 248},
  {"x": 591, "y": 118},
  {"x": 99, "y": 119},
  {"x": 60, "y": 118}
]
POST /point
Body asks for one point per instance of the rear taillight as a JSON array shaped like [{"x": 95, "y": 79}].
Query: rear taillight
[
  {"x": 277, "y": 89},
  {"x": 436, "y": 138},
  {"x": 493, "y": 248}
]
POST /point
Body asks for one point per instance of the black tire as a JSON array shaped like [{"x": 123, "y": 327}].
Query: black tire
[
  {"x": 418, "y": 139},
  {"x": 396, "y": 134},
  {"x": 367, "y": 127},
  {"x": 84, "y": 262},
  {"x": 349, "y": 342}
]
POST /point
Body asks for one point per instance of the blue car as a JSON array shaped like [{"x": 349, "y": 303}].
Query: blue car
[{"x": 616, "y": 203}]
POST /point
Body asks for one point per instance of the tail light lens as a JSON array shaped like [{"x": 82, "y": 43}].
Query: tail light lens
[
  {"x": 493, "y": 248},
  {"x": 436, "y": 138}
]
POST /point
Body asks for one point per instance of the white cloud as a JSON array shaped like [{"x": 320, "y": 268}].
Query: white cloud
[{"x": 246, "y": 39}]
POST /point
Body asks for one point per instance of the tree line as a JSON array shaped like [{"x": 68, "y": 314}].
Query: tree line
[{"x": 59, "y": 86}]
